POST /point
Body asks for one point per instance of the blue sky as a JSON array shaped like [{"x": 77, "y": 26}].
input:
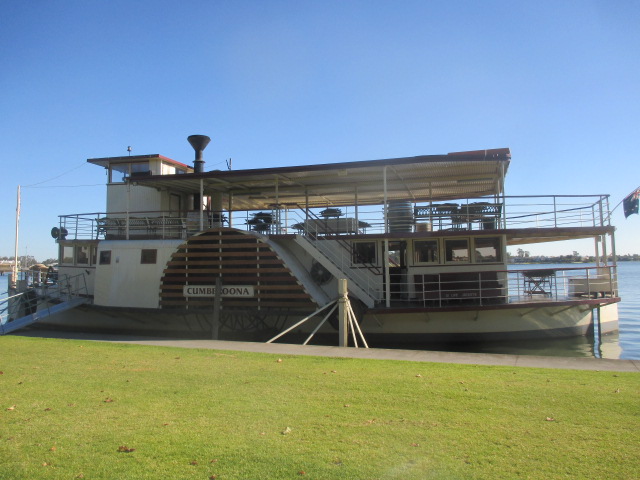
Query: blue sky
[{"x": 277, "y": 83}]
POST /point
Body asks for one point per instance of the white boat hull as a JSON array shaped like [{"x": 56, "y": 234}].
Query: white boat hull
[{"x": 520, "y": 323}]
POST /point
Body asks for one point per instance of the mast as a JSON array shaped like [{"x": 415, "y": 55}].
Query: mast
[{"x": 14, "y": 276}]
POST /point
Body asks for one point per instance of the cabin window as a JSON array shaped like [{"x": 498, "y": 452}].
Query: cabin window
[
  {"x": 456, "y": 250},
  {"x": 426, "y": 251},
  {"x": 67, "y": 255},
  {"x": 82, "y": 255},
  {"x": 488, "y": 250},
  {"x": 140, "y": 169},
  {"x": 364, "y": 253},
  {"x": 118, "y": 173},
  {"x": 168, "y": 169},
  {"x": 148, "y": 256},
  {"x": 105, "y": 257}
]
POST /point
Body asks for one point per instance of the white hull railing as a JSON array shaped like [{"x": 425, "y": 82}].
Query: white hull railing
[{"x": 494, "y": 288}]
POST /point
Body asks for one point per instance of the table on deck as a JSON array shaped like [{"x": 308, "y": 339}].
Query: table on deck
[
  {"x": 539, "y": 282},
  {"x": 331, "y": 225}
]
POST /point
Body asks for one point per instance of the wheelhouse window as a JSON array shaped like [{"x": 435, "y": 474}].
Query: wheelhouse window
[
  {"x": 66, "y": 255},
  {"x": 169, "y": 169},
  {"x": 488, "y": 250},
  {"x": 364, "y": 253},
  {"x": 456, "y": 250},
  {"x": 426, "y": 251},
  {"x": 82, "y": 255},
  {"x": 140, "y": 169},
  {"x": 105, "y": 257},
  {"x": 118, "y": 173},
  {"x": 148, "y": 256}
]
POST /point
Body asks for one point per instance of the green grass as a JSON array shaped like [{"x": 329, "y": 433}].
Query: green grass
[{"x": 209, "y": 414}]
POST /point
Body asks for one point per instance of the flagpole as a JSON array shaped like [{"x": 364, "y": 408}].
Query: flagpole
[
  {"x": 14, "y": 278},
  {"x": 620, "y": 203}
]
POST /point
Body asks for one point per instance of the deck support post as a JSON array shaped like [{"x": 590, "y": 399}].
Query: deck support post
[
  {"x": 217, "y": 301},
  {"x": 126, "y": 218},
  {"x": 343, "y": 325},
  {"x": 597, "y": 335},
  {"x": 200, "y": 207}
]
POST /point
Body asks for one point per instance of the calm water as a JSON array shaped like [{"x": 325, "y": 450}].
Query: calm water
[{"x": 625, "y": 344}]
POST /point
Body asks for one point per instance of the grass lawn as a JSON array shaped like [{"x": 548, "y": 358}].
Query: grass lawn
[{"x": 78, "y": 409}]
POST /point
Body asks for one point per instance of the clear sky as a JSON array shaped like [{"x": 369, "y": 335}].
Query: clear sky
[{"x": 277, "y": 83}]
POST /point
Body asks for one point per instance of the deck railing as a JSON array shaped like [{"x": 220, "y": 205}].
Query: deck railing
[
  {"x": 470, "y": 214},
  {"x": 503, "y": 287}
]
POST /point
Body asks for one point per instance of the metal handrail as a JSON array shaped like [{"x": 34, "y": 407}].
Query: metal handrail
[
  {"x": 540, "y": 211},
  {"x": 61, "y": 290}
]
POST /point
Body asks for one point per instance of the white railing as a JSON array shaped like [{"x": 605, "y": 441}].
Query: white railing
[
  {"x": 41, "y": 298},
  {"x": 466, "y": 214},
  {"x": 484, "y": 288}
]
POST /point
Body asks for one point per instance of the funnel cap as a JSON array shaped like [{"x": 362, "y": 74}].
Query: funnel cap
[{"x": 198, "y": 142}]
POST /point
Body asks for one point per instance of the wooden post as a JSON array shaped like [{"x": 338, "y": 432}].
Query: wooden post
[
  {"x": 217, "y": 301},
  {"x": 343, "y": 325}
]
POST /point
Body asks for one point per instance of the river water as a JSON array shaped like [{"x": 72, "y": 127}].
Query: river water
[{"x": 625, "y": 344}]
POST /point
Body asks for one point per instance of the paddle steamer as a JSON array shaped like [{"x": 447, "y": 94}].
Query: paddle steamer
[{"x": 421, "y": 241}]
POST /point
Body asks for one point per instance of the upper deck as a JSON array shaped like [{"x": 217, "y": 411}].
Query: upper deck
[
  {"x": 522, "y": 219},
  {"x": 151, "y": 196}
]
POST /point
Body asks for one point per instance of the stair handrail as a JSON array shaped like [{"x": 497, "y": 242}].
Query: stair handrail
[{"x": 338, "y": 238}]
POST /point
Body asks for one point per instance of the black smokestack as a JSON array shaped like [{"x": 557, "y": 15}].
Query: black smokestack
[{"x": 199, "y": 143}]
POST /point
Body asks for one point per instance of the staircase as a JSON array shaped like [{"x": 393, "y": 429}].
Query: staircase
[
  {"x": 26, "y": 308},
  {"x": 301, "y": 273},
  {"x": 362, "y": 282}
]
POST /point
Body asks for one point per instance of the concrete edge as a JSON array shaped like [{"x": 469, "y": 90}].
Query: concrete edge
[{"x": 487, "y": 359}]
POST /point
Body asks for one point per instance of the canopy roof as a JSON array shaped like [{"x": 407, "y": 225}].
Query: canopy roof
[
  {"x": 423, "y": 178},
  {"x": 105, "y": 162}
]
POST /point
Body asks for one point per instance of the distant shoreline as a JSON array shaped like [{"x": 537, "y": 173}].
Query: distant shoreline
[{"x": 554, "y": 260}]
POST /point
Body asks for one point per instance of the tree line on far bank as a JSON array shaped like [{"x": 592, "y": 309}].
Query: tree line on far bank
[
  {"x": 525, "y": 257},
  {"x": 25, "y": 261},
  {"x": 522, "y": 256}
]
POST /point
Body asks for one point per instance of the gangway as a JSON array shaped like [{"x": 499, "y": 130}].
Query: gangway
[{"x": 26, "y": 308}]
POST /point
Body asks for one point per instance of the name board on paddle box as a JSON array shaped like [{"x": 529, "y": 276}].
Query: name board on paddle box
[{"x": 234, "y": 291}]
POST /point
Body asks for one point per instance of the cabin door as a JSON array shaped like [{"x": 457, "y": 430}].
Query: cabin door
[
  {"x": 174, "y": 205},
  {"x": 397, "y": 264}
]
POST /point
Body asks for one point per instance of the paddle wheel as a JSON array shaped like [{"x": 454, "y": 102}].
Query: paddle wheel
[{"x": 239, "y": 259}]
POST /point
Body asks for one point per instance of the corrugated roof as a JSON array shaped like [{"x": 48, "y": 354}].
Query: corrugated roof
[{"x": 422, "y": 178}]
